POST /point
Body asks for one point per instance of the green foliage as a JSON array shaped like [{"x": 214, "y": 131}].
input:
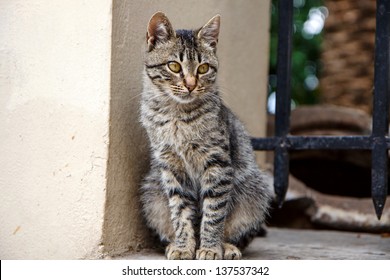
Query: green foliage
[{"x": 306, "y": 50}]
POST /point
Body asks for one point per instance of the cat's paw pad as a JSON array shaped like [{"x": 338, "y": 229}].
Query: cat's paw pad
[
  {"x": 231, "y": 252},
  {"x": 214, "y": 253},
  {"x": 174, "y": 253}
]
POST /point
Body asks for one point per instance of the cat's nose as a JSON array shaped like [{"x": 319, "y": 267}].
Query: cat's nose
[{"x": 190, "y": 83}]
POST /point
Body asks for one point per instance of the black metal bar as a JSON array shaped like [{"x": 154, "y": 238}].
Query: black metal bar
[
  {"x": 379, "y": 175},
  {"x": 264, "y": 144},
  {"x": 283, "y": 98},
  {"x": 316, "y": 143},
  {"x": 381, "y": 106},
  {"x": 330, "y": 142}
]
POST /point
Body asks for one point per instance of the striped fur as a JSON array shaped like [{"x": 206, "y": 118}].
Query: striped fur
[{"x": 204, "y": 194}]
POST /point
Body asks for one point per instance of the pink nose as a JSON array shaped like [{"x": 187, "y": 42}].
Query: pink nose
[{"x": 190, "y": 83}]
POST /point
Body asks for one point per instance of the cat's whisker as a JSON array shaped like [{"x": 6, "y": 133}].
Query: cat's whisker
[{"x": 135, "y": 96}]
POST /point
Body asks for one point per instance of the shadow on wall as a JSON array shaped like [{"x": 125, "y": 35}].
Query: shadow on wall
[{"x": 128, "y": 152}]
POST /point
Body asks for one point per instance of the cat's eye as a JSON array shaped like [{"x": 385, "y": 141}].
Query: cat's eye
[
  {"x": 174, "y": 67},
  {"x": 203, "y": 68}
]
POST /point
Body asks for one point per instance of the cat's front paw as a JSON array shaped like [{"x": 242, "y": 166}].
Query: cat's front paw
[
  {"x": 213, "y": 253},
  {"x": 174, "y": 253}
]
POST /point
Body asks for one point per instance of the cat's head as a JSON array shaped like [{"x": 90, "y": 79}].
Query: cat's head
[{"x": 182, "y": 63}]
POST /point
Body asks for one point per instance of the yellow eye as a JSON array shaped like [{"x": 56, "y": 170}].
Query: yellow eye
[
  {"x": 203, "y": 68},
  {"x": 174, "y": 67}
]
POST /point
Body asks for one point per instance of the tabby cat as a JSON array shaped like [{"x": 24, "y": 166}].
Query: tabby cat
[{"x": 204, "y": 195}]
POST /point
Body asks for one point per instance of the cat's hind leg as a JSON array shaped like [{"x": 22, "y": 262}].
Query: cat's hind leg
[
  {"x": 155, "y": 207},
  {"x": 248, "y": 211}
]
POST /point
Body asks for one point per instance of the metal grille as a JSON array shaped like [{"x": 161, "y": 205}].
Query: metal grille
[{"x": 378, "y": 142}]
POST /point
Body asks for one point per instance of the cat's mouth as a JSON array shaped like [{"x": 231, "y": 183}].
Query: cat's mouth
[{"x": 184, "y": 97}]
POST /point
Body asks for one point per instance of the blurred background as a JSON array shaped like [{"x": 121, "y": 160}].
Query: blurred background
[
  {"x": 332, "y": 90},
  {"x": 332, "y": 59}
]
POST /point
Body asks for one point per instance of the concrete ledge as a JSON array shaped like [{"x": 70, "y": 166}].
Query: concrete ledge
[{"x": 282, "y": 244}]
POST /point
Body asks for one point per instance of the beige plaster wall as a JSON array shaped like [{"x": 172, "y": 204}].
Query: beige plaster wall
[
  {"x": 54, "y": 110},
  {"x": 243, "y": 53}
]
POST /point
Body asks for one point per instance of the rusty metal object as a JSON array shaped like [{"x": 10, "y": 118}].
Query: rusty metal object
[{"x": 337, "y": 172}]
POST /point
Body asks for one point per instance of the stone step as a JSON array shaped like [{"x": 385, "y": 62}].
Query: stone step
[{"x": 284, "y": 244}]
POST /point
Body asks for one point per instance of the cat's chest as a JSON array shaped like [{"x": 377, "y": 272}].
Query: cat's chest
[
  {"x": 179, "y": 134},
  {"x": 174, "y": 128},
  {"x": 187, "y": 145},
  {"x": 181, "y": 140}
]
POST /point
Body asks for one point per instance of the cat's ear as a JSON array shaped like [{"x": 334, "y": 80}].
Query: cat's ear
[
  {"x": 210, "y": 31},
  {"x": 159, "y": 30}
]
